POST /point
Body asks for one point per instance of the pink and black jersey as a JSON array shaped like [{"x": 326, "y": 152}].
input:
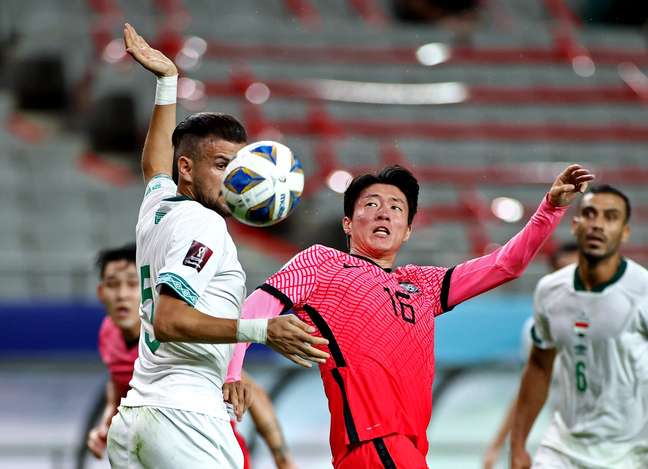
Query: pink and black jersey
[
  {"x": 118, "y": 356},
  {"x": 380, "y": 328},
  {"x": 377, "y": 383}
]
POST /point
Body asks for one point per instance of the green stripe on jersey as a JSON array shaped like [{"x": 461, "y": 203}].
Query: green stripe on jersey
[
  {"x": 580, "y": 286},
  {"x": 180, "y": 286},
  {"x": 159, "y": 214}
]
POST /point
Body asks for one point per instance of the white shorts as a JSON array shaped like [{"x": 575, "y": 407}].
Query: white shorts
[
  {"x": 160, "y": 438},
  {"x": 548, "y": 458}
]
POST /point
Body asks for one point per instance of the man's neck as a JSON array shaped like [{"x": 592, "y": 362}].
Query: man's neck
[
  {"x": 597, "y": 273},
  {"x": 131, "y": 334},
  {"x": 386, "y": 262}
]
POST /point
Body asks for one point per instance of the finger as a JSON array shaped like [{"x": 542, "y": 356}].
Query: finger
[
  {"x": 299, "y": 360},
  {"x": 249, "y": 397},
  {"x": 583, "y": 187},
  {"x": 310, "y": 339},
  {"x": 226, "y": 392},
  {"x": 128, "y": 39},
  {"x": 233, "y": 397},
  {"x": 313, "y": 353},
  {"x": 564, "y": 188},
  {"x": 566, "y": 174},
  {"x": 294, "y": 320},
  {"x": 581, "y": 173}
]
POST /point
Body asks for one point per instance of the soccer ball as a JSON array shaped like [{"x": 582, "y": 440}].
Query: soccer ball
[{"x": 263, "y": 184}]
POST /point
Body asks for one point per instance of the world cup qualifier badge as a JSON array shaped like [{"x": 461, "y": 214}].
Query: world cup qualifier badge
[{"x": 197, "y": 256}]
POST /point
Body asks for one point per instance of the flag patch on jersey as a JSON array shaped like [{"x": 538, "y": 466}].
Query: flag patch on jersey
[
  {"x": 580, "y": 328},
  {"x": 197, "y": 256}
]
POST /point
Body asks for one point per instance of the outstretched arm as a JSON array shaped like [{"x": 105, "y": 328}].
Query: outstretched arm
[
  {"x": 508, "y": 262},
  {"x": 157, "y": 156},
  {"x": 534, "y": 388}
]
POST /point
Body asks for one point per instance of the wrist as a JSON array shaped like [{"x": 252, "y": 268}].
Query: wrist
[
  {"x": 166, "y": 90},
  {"x": 252, "y": 330}
]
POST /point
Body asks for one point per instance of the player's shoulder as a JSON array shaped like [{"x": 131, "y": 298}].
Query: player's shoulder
[
  {"x": 109, "y": 335},
  {"x": 186, "y": 213},
  {"x": 107, "y": 328},
  {"x": 315, "y": 255},
  {"x": 560, "y": 279},
  {"x": 321, "y": 252},
  {"x": 635, "y": 278}
]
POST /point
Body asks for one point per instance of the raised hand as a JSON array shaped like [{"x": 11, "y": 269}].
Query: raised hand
[
  {"x": 151, "y": 59},
  {"x": 290, "y": 337},
  {"x": 571, "y": 182}
]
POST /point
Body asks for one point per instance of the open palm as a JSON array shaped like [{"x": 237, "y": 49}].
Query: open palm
[{"x": 151, "y": 59}]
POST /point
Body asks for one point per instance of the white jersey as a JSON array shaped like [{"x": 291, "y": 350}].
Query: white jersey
[
  {"x": 186, "y": 247},
  {"x": 601, "y": 337}
]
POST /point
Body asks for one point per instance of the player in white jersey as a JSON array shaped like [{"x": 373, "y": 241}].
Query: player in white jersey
[
  {"x": 566, "y": 254},
  {"x": 192, "y": 288},
  {"x": 592, "y": 317}
]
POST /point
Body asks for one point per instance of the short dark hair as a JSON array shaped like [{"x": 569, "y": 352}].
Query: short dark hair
[
  {"x": 565, "y": 248},
  {"x": 607, "y": 189},
  {"x": 106, "y": 256},
  {"x": 189, "y": 133},
  {"x": 393, "y": 175}
]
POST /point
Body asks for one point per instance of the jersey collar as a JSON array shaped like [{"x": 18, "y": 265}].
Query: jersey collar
[
  {"x": 177, "y": 198},
  {"x": 370, "y": 261},
  {"x": 579, "y": 286}
]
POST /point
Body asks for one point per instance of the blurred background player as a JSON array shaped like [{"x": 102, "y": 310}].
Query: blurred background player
[
  {"x": 592, "y": 316},
  {"x": 380, "y": 322},
  {"x": 565, "y": 255},
  {"x": 119, "y": 291},
  {"x": 192, "y": 289}
]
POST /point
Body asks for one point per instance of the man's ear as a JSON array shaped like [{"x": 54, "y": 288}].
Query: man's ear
[
  {"x": 185, "y": 165},
  {"x": 346, "y": 225},
  {"x": 625, "y": 235},
  {"x": 100, "y": 293}
]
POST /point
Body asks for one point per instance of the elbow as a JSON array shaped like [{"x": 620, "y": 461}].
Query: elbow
[{"x": 164, "y": 330}]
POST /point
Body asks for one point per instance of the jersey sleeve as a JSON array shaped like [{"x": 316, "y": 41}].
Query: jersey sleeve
[
  {"x": 526, "y": 339},
  {"x": 643, "y": 317},
  {"x": 159, "y": 187},
  {"x": 541, "y": 330},
  {"x": 296, "y": 280},
  {"x": 508, "y": 262},
  {"x": 194, "y": 256}
]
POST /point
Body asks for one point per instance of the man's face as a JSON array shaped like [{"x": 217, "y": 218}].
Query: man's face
[
  {"x": 207, "y": 172},
  {"x": 119, "y": 291},
  {"x": 600, "y": 225},
  {"x": 379, "y": 223}
]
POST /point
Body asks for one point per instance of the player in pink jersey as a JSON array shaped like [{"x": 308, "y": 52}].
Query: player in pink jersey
[
  {"x": 119, "y": 291},
  {"x": 379, "y": 321}
]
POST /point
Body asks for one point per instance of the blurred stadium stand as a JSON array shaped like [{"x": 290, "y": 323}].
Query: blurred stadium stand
[{"x": 486, "y": 109}]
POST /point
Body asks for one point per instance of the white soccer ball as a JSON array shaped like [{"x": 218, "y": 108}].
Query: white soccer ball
[{"x": 263, "y": 184}]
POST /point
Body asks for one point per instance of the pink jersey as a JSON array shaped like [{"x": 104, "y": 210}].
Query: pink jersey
[
  {"x": 118, "y": 356},
  {"x": 380, "y": 327}
]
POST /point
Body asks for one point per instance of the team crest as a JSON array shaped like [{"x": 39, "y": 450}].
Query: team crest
[{"x": 409, "y": 287}]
